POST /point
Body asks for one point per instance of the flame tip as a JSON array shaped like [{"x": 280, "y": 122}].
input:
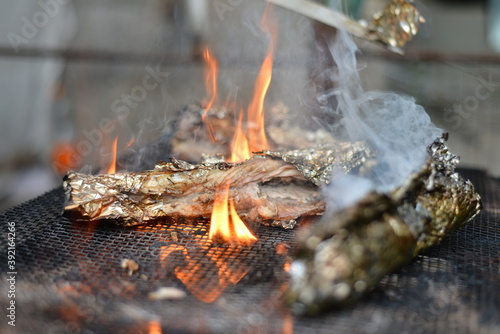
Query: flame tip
[{"x": 112, "y": 165}]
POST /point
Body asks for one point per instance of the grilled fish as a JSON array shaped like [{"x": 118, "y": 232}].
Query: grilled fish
[
  {"x": 345, "y": 254},
  {"x": 273, "y": 188}
]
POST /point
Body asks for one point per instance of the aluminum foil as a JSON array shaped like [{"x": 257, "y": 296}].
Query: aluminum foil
[
  {"x": 182, "y": 190},
  {"x": 273, "y": 188},
  {"x": 345, "y": 254},
  {"x": 322, "y": 163},
  {"x": 393, "y": 27},
  {"x": 396, "y": 24}
]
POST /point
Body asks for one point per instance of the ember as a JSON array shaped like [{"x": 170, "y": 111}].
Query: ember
[
  {"x": 207, "y": 283},
  {"x": 130, "y": 265},
  {"x": 166, "y": 293}
]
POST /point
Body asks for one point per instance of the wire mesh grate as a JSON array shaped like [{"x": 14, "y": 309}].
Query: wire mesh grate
[{"x": 70, "y": 278}]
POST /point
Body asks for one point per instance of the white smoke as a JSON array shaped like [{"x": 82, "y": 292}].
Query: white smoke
[{"x": 396, "y": 128}]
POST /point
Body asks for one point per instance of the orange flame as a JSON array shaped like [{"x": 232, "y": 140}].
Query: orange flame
[
  {"x": 256, "y": 130},
  {"x": 65, "y": 157},
  {"x": 240, "y": 150},
  {"x": 211, "y": 68},
  {"x": 225, "y": 224},
  {"x": 287, "y": 324},
  {"x": 112, "y": 165},
  {"x": 154, "y": 327}
]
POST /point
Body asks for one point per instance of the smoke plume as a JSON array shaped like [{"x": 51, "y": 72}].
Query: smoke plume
[{"x": 396, "y": 128}]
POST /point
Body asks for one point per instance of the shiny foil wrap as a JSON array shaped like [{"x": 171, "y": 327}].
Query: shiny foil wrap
[
  {"x": 322, "y": 163},
  {"x": 393, "y": 27},
  {"x": 396, "y": 24},
  {"x": 345, "y": 254},
  {"x": 272, "y": 188},
  {"x": 182, "y": 190}
]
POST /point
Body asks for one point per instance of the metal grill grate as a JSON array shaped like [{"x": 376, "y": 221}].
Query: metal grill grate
[{"x": 70, "y": 280}]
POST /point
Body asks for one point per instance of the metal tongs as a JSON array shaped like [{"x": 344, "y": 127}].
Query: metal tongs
[{"x": 394, "y": 26}]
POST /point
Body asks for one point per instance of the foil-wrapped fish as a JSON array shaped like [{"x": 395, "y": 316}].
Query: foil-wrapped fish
[
  {"x": 322, "y": 163},
  {"x": 262, "y": 189},
  {"x": 345, "y": 254},
  {"x": 272, "y": 188}
]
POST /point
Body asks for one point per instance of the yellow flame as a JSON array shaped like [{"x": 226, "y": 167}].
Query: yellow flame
[
  {"x": 225, "y": 224},
  {"x": 240, "y": 150},
  {"x": 112, "y": 165},
  {"x": 241, "y": 231},
  {"x": 219, "y": 221}
]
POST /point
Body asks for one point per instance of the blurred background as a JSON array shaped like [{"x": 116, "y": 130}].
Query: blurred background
[{"x": 77, "y": 74}]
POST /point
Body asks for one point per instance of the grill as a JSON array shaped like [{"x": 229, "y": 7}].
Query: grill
[{"x": 70, "y": 280}]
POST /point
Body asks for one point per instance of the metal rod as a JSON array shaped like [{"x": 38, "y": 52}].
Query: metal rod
[
  {"x": 334, "y": 19},
  {"x": 324, "y": 15}
]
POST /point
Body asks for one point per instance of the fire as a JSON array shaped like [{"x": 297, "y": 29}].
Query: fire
[
  {"x": 211, "y": 68},
  {"x": 63, "y": 157},
  {"x": 287, "y": 324},
  {"x": 240, "y": 150},
  {"x": 219, "y": 221},
  {"x": 225, "y": 224},
  {"x": 256, "y": 129},
  {"x": 154, "y": 327},
  {"x": 112, "y": 165},
  {"x": 257, "y": 140}
]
